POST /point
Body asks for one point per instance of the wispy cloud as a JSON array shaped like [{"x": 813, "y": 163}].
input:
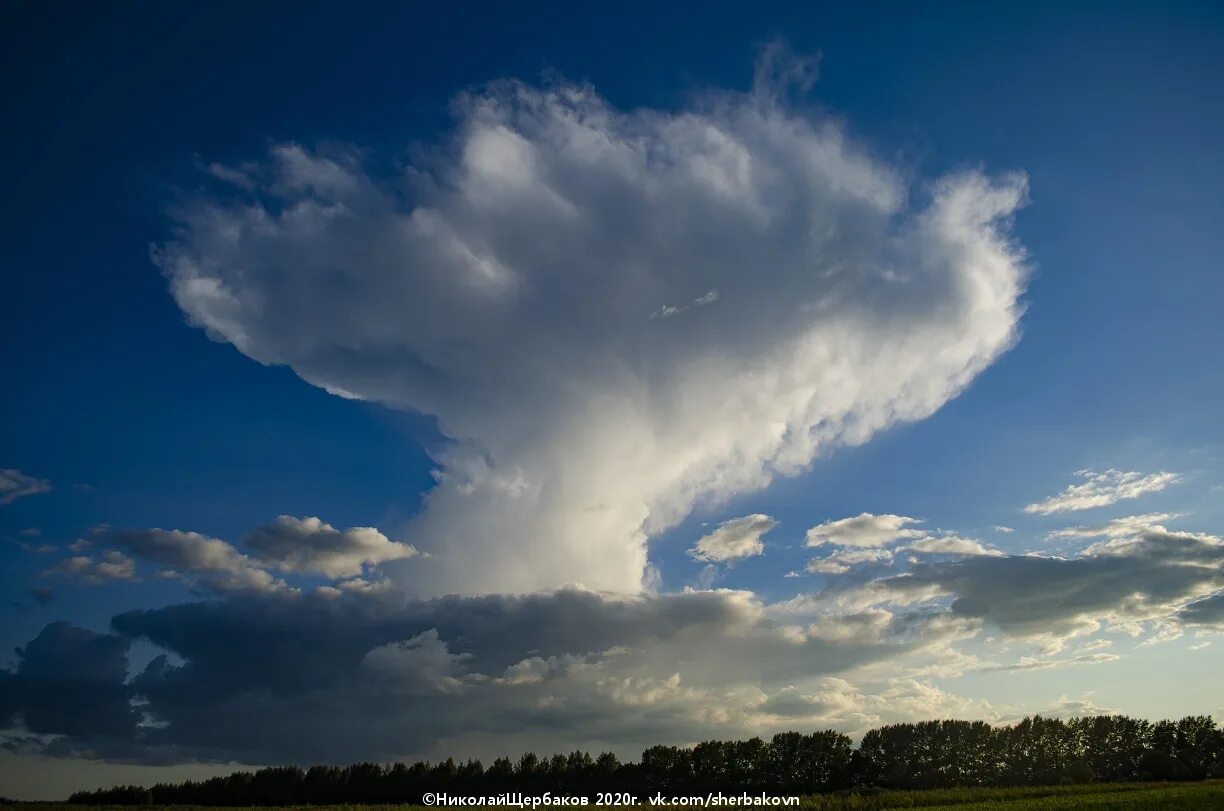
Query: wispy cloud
[
  {"x": 1103, "y": 489},
  {"x": 1115, "y": 528},
  {"x": 14, "y": 485},
  {"x": 669, "y": 310}
]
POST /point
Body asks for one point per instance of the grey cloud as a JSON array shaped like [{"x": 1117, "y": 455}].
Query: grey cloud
[
  {"x": 304, "y": 677},
  {"x": 1145, "y": 577},
  {"x": 1209, "y": 611},
  {"x": 211, "y": 562},
  {"x": 70, "y": 681},
  {"x": 14, "y": 485},
  {"x": 310, "y": 545},
  {"x": 110, "y": 566}
]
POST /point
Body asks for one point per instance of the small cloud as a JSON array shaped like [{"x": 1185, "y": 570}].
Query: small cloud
[
  {"x": 14, "y": 485},
  {"x": 214, "y": 564},
  {"x": 734, "y": 539},
  {"x": 42, "y": 595},
  {"x": 34, "y": 548},
  {"x": 1103, "y": 489},
  {"x": 110, "y": 567},
  {"x": 707, "y": 576},
  {"x": 31, "y": 532},
  {"x": 1003, "y": 529},
  {"x": 669, "y": 310},
  {"x": 864, "y": 529},
  {"x": 309, "y": 545},
  {"x": 231, "y": 175},
  {"x": 951, "y": 545},
  {"x": 80, "y": 545},
  {"x": 841, "y": 560}
]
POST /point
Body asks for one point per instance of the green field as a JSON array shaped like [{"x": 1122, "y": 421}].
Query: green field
[
  {"x": 1121, "y": 796},
  {"x": 1129, "y": 796}
]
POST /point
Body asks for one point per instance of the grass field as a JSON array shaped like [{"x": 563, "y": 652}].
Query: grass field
[
  {"x": 1107, "y": 797},
  {"x": 1121, "y": 796}
]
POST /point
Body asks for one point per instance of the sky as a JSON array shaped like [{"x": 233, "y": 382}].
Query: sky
[{"x": 404, "y": 382}]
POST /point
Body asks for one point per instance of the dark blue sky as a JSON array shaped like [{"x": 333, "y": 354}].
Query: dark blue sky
[{"x": 1114, "y": 110}]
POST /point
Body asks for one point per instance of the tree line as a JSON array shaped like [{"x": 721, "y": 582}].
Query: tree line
[{"x": 930, "y": 754}]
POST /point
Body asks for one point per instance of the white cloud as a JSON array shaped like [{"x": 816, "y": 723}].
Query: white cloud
[
  {"x": 734, "y": 539},
  {"x": 1103, "y": 489},
  {"x": 14, "y": 485},
  {"x": 110, "y": 567},
  {"x": 1077, "y": 708},
  {"x": 505, "y": 286},
  {"x": 864, "y": 530},
  {"x": 950, "y": 545},
  {"x": 213, "y": 563},
  {"x": 310, "y": 545},
  {"x": 843, "y": 559},
  {"x": 1115, "y": 528}
]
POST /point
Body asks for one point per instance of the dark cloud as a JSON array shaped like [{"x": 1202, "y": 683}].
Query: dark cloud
[
  {"x": 70, "y": 681},
  {"x": 1205, "y": 612},
  {"x": 317, "y": 677},
  {"x": 1147, "y": 576}
]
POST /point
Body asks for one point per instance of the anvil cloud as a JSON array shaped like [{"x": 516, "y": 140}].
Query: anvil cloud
[{"x": 510, "y": 284}]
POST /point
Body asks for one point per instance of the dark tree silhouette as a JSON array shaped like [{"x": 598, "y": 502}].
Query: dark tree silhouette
[{"x": 1034, "y": 751}]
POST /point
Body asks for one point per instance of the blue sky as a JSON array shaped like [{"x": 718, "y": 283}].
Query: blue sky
[{"x": 123, "y": 119}]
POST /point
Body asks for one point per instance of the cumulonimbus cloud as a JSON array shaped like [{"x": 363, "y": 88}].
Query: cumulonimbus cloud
[{"x": 506, "y": 282}]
